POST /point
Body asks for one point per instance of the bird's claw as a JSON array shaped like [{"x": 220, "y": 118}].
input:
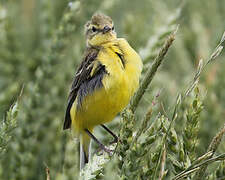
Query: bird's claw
[{"x": 107, "y": 150}]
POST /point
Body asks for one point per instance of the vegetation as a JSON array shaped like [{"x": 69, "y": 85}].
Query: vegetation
[{"x": 174, "y": 125}]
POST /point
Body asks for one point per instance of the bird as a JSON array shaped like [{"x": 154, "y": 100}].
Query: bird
[{"x": 103, "y": 85}]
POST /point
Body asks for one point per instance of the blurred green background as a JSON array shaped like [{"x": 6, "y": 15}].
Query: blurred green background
[{"x": 41, "y": 44}]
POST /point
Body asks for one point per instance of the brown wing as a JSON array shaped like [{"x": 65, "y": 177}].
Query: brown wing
[{"x": 85, "y": 81}]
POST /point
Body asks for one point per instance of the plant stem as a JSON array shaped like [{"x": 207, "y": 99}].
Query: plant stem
[{"x": 152, "y": 71}]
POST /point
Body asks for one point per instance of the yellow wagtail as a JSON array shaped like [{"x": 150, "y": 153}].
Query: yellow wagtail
[{"x": 104, "y": 83}]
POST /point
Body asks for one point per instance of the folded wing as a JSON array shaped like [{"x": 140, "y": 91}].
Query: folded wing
[{"x": 87, "y": 79}]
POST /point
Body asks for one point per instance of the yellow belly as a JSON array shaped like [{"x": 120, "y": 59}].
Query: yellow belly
[
  {"x": 102, "y": 106},
  {"x": 105, "y": 103}
]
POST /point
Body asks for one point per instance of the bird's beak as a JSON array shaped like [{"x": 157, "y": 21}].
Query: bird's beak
[{"x": 106, "y": 29}]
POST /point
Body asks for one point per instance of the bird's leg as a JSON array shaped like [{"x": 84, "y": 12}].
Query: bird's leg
[
  {"x": 102, "y": 146},
  {"x": 110, "y": 132}
]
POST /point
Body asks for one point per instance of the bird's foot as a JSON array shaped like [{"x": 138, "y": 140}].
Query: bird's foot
[
  {"x": 115, "y": 140},
  {"x": 106, "y": 149}
]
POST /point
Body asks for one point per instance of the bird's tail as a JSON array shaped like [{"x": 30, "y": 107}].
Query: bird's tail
[{"x": 85, "y": 148}]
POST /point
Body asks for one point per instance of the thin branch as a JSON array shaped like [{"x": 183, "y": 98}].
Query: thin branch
[
  {"x": 201, "y": 66},
  {"x": 186, "y": 173},
  {"x": 47, "y": 171},
  {"x": 152, "y": 71},
  {"x": 197, "y": 167},
  {"x": 162, "y": 170},
  {"x": 212, "y": 148}
]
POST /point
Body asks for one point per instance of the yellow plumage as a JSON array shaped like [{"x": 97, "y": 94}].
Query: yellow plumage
[
  {"x": 104, "y": 84},
  {"x": 119, "y": 86}
]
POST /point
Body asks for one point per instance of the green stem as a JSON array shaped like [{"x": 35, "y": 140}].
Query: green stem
[{"x": 152, "y": 71}]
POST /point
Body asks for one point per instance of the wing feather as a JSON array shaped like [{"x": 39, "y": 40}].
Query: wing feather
[{"x": 86, "y": 78}]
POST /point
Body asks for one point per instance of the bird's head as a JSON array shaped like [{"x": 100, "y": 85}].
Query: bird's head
[{"x": 99, "y": 30}]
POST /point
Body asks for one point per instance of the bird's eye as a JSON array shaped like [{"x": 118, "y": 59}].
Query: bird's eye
[
  {"x": 113, "y": 28},
  {"x": 94, "y": 29}
]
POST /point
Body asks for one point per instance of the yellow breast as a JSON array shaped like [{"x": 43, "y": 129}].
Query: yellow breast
[{"x": 119, "y": 86}]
